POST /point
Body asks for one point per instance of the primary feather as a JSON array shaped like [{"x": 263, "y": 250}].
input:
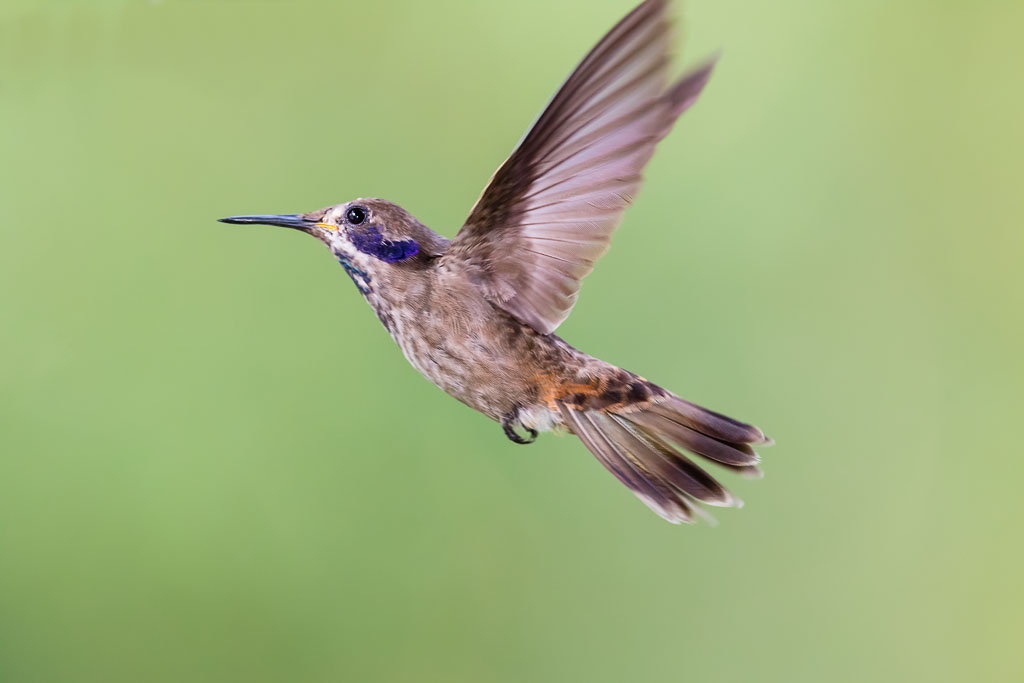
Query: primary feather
[{"x": 549, "y": 211}]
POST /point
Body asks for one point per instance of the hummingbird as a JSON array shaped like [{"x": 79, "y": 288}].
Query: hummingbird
[{"x": 476, "y": 315}]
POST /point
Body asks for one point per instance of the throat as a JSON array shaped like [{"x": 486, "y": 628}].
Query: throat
[
  {"x": 359, "y": 276},
  {"x": 364, "y": 283}
]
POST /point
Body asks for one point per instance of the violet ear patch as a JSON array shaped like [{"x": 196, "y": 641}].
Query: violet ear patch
[{"x": 371, "y": 242}]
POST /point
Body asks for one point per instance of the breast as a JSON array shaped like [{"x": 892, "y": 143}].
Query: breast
[{"x": 464, "y": 345}]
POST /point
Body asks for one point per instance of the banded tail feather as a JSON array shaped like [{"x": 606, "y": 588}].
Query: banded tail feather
[{"x": 644, "y": 444}]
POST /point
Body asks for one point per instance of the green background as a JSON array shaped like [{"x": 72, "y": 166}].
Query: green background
[{"x": 216, "y": 466}]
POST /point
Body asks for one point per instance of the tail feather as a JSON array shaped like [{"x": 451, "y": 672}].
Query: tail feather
[
  {"x": 737, "y": 454},
  {"x": 653, "y": 492},
  {"x": 750, "y": 472},
  {"x": 709, "y": 422},
  {"x": 665, "y": 462},
  {"x": 642, "y": 444}
]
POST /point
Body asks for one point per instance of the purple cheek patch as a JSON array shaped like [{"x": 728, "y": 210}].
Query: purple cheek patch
[{"x": 373, "y": 243}]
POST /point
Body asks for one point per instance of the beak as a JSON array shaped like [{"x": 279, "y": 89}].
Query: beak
[{"x": 289, "y": 220}]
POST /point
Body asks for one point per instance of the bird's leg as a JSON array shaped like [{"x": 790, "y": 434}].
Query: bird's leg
[{"x": 508, "y": 424}]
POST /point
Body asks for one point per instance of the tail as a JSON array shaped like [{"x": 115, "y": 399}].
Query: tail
[{"x": 640, "y": 442}]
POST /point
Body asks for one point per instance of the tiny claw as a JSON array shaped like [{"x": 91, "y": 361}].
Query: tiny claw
[{"x": 507, "y": 423}]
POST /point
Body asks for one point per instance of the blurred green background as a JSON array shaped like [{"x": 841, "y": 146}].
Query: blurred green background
[{"x": 216, "y": 466}]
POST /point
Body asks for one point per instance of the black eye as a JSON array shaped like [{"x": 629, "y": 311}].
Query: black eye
[{"x": 356, "y": 215}]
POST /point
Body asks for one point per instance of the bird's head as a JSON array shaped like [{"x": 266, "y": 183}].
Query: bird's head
[{"x": 372, "y": 238}]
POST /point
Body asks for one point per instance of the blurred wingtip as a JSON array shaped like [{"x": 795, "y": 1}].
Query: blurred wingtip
[{"x": 684, "y": 93}]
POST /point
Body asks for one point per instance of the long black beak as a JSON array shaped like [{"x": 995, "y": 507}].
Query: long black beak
[{"x": 287, "y": 220}]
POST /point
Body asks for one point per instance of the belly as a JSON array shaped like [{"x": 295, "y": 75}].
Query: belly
[
  {"x": 483, "y": 357},
  {"x": 471, "y": 369}
]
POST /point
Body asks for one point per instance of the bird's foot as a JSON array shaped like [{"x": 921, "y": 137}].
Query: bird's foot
[{"x": 508, "y": 424}]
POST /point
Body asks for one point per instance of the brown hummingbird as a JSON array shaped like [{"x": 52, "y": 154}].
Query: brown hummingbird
[{"x": 476, "y": 315}]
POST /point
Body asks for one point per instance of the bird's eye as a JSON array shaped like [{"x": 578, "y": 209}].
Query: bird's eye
[{"x": 356, "y": 215}]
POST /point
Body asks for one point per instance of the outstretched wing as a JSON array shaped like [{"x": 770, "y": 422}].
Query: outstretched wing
[{"x": 549, "y": 211}]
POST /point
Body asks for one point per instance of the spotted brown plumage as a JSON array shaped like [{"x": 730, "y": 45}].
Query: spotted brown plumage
[{"x": 477, "y": 315}]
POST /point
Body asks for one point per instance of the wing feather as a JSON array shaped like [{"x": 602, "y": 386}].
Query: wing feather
[{"x": 548, "y": 213}]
